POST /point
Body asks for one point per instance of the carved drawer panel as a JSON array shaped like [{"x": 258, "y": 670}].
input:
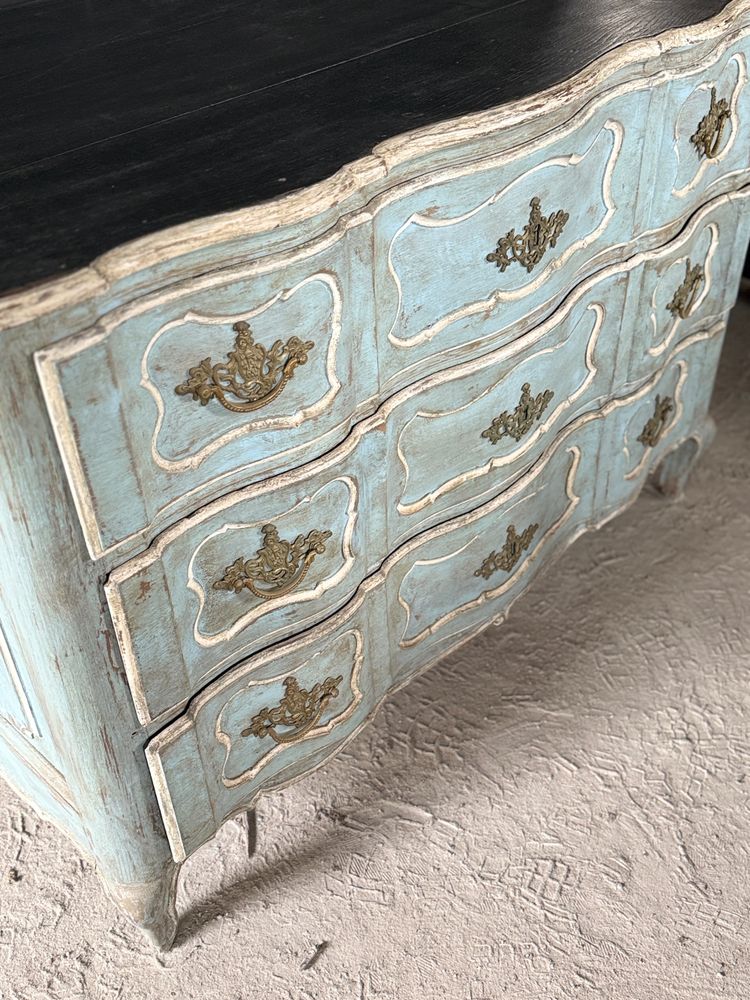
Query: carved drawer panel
[
  {"x": 462, "y": 574},
  {"x": 245, "y": 572},
  {"x": 220, "y": 754},
  {"x": 464, "y": 254},
  {"x": 269, "y": 720},
  {"x": 220, "y": 381},
  {"x": 704, "y": 145},
  {"x": 282, "y": 712},
  {"x": 661, "y": 415},
  {"x": 317, "y": 690},
  {"x": 463, "y": 435},
  {"x": 689, "y": 283}
]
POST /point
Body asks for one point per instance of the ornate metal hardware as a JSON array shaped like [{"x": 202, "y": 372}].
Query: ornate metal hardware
[
  {"x": 509, "y": 554},
  {"x": 684, "y": 298},
  {"x": 655, "y": 425},
  {"x": 254, "y": 374},
  {"x": 299, "y": 710},
  {"x": 707, "y": 137},
  {"x": 280, "y": 564},
  {"x": 517, "y": 423},
  {"x": 528, "y": 247}
]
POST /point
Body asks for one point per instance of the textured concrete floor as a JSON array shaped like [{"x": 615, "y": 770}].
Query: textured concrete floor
[{"x": 561, "y": 810}]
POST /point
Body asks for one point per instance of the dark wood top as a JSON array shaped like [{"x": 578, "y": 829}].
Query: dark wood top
[{"x": 122, "y": 117}]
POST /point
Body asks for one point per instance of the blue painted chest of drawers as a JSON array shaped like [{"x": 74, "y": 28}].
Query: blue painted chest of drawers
[{"x": 260, "y": 470}]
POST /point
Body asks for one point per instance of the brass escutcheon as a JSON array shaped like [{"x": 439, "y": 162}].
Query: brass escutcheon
[
  {"x": 514, "y": 547},
  {"x": 253, "y": 374},
  {"x": 299, "y": 710},
  {"x": 517, "y": 423},
  {"x": 655, "y": 425},
  {"x": 684, "y": 298},
  {"x": 528, "y": 247},
  {"x": 707, "y": 137},
  {"x": 280, "y": 564}
]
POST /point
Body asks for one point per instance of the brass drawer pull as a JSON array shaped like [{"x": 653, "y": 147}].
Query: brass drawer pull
[
  {"x": 299, "y": 710},
  {"x": 684, "y": 298},
  {"x": 254, "y": 374},
  {"x": 528, "y": 248},
  {"x": 707, "y": 137},
  {"x": 655, "y": 425},
  {"x": 514, "y": 547},
  {"x": 516, "y": 424},
  {"x": 280, "y": 564}
]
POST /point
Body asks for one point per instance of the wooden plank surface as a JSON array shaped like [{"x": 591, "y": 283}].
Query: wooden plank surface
[{"x": 119, "y": 119}]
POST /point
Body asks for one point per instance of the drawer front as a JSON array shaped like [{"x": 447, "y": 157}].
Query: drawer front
[
  {"x": 216, "y": 758},
  {"x": 689, "y": 283},
  {"x": 659, "y": 416},
  {"x": 705, "y": 142},
  {"x": 271, "y": 719},
  {"x": 461, "y": 575},
  {"x": 464, "y": 254},
  {"x": 224, "y": 380},
  {"x": 436, "y": 592},
  {"x": 244, "y": 573},
  {"x": 454, "y": 579},
  {"x": 464, "y": 435},
  {"x": 461, "y": 436},
  {"x": 229, "y": 581},
  {"x": 254, "y": 568}
]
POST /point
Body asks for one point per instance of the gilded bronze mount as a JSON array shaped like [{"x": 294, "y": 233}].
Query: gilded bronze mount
[
  {"x": 298, "y": 710},
  {"x": 279, "y": 564},
  {"x": 527, "y": 248},
  {"x": 518, "y": 422},
  {"x": 514, "y": 547},
  {"x": 253, "y": 374}
]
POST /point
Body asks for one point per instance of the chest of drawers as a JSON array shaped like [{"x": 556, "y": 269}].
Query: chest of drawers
[{"x": 261, "y": 469}]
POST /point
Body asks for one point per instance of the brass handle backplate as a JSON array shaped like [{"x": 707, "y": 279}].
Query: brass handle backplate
[
  {"x": 278, "y": 564},
  {"x": 527, "y": 248},
  {"x": 654, "y": 428},
  {"x": 707, "y": 137},
  {"x": 298, "y": 710},
  {"x": 518, "y": 422},
  {"x": 684, "y": 298},
  {"x": 253, "y": 374},
  {"x": 514, "y": 547}
]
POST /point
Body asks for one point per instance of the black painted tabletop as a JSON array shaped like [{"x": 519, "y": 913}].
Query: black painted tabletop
[{"x": 121, "y": 117}]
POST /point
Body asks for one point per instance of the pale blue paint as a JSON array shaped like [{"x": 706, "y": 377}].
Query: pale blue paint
[
  {"x": 408, "y": 614},
  {"x": 424, "y": 496}
]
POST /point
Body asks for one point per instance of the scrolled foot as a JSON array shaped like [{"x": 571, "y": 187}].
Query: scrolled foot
[
  {"x": 671, "y": 476},
  {"x": 151, "y": 905}
]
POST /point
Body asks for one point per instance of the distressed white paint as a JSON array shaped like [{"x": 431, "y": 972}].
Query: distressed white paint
[{"x": 410, "y": 593}]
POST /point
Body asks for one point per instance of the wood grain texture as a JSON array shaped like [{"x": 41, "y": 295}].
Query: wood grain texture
[
  {"x": 232, "y": 237},
  {"x": 115, "y": 127}
]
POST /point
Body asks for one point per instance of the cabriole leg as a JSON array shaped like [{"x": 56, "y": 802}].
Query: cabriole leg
[
  {"x": 251, "y": 827},
  {"x": 151, "y": 905}
]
